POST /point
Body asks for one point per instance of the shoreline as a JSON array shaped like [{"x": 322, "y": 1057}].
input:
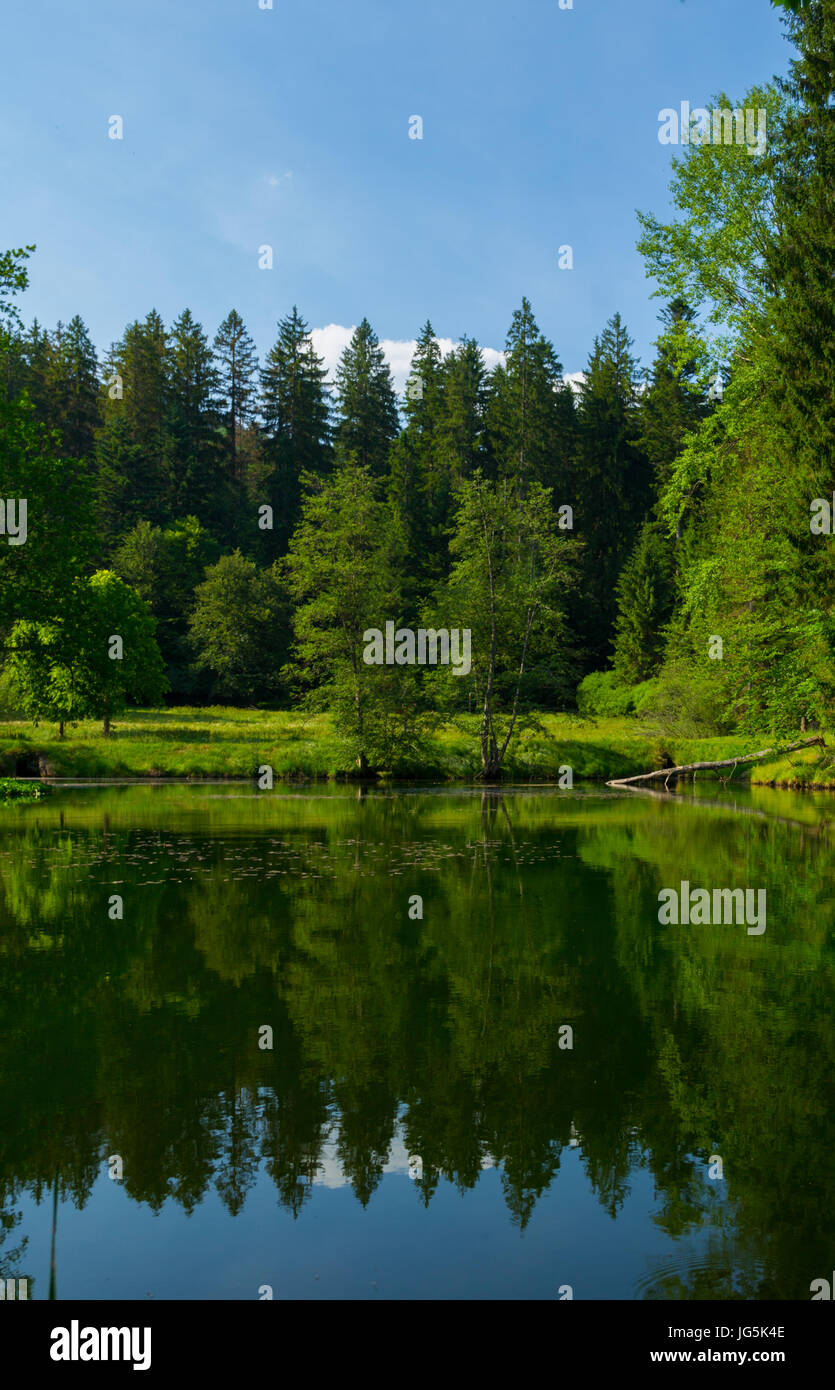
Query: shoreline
[{"x": 234, "y": 746}]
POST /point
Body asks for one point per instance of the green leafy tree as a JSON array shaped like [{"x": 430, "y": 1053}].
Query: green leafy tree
[
  {"x": 511, "y": 570},
  {"x": 100, "y": 654},
  {"x": 753, "y": 245},
  {"x": 39, "y": 569},
  {"x": 238, "y": 628},
  {"x": 14, "y": 278},
  {"x": 165, "y": 565},
  {"x": 673, "y": 402},
  {"x": 749, "y": 574},
  {"x": 342, "y": 577},
  {"x": 715, "y": 253},
  {"x": 36, "y": 656}
]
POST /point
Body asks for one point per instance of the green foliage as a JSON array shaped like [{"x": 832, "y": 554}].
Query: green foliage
[
  {"x": 237, "y": 365},
  {"x": 135, "y": 444},
  {"x": 530, "y": 415},
  {"x": 343, "y": 578},
  {"x": 603, "y": 694},
  {"x": 750, "y": 574},
  {"x": 74, "y": 667},
  {"x": 59, "y": 543},
  {"x": 612, "y": 487},
  {"x": 367, "y": 420},
  {"x": 801, "y": 255},
  {"x": 197, "y": 483},
  {"x": 714, "y": 254},
  {"x": 691, "y": 506},
  {"x": 646, "y": 593},
  {"x": 685, "y": 701},
  {"x": 10, "y": 790},
  {"x": 420, "y": 482},
  {"x": 296, "y": 428},
  {"x": 238, "y": 628},
  {"x": 37, "y": 654},
  {"x": 165, "y": 565},
  {"x": 510, "y": 574},
  {"x": 14, "y": 278}
]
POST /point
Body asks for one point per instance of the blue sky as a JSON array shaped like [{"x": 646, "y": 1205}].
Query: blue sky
[{"x": 290, "y": 127}]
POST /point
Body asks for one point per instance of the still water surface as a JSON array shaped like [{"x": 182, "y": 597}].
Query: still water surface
[{"x": 524, "y": 1090}]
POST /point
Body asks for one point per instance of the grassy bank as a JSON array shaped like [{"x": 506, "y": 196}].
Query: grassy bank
[{"x": 224, "y": 742}]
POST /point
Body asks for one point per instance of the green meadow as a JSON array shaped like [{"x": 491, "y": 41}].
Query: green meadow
[{"x": 233, "y": 743}]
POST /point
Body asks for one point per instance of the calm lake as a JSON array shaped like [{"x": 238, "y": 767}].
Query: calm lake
[{"x": 414, "y": 1044}]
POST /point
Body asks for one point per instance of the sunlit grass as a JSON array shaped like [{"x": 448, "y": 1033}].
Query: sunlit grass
[{"x": 226, "y": 742}]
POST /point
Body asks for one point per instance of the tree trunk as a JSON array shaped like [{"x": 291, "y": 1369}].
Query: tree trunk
[
  {"x": 60, "y": 728},
  {"x": 106, "y": 726},
  {"x": 668, "y": 772}
]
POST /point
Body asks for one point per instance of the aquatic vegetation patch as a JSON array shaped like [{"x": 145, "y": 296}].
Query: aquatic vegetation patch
[{"x": 12, "y": 790}]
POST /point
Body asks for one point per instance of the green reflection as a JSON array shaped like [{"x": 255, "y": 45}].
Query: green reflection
[{"x": 139, "y": 1036}]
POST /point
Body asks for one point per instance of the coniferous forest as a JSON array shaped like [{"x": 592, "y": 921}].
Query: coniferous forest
[{"x": 650, "y": 539}]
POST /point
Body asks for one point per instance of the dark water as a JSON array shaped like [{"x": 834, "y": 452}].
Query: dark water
[{"x": 526, "y": 1089}]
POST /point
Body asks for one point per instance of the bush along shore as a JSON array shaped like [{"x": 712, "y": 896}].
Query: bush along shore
[
  {"x": 13, "y": 790},
  {"x": 238, "y": 744}
]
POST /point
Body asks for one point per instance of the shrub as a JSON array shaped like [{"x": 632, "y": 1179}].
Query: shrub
[{"x": 601, "y": 693}]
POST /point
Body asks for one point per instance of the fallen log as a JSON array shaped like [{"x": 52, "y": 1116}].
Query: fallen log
[
  {"x": 733, "y": 808},
  {"x": 668, "y": 772}
]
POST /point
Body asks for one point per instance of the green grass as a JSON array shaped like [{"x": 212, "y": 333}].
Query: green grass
[{"x": 223, "y": 742}]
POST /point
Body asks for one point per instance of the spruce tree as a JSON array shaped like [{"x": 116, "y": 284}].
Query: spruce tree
[
  {"x": 237, "y": 364},
  {"x": 367, "y": 415},
  {"x": 645, "y": 594},
  {"x": 295, "y": 423},
  {"x": 37, "y": 353},
  {"x": 802, "y": 255},
  {"x": 419, "y": 485},
  {"x": 134, "y": 446},
  {"x": 74, "y": 390},
  {"x": 670, "y": 408},
  {"x": 200, "y": 486},
  {"x": 461, "y": 434},
  {"x": 531, "y": 411},
  {"x": 671, "y": 405},
  {"x": 612, "y": 486}
]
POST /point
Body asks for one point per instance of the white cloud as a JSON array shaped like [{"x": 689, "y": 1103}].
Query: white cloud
[
  {"x": 331, "y": 341},
  {"x": 330, "y": 1172}
]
